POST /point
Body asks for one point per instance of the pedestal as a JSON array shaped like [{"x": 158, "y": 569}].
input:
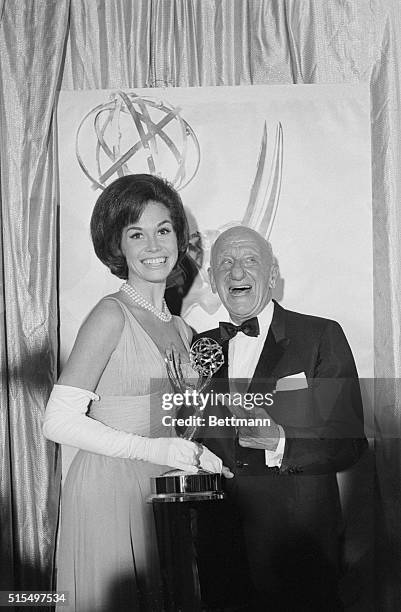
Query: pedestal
[{"x": 201, "y": 553}]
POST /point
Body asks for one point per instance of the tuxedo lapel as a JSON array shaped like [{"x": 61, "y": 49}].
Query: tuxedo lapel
[{"x": 274, "y": 348}]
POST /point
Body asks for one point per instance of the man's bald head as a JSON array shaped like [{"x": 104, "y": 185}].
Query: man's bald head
[
  {"x": 242, "y": 272},
  {"x": 238, "y": 234}
]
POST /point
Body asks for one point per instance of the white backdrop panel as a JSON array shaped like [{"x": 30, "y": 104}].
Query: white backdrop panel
[{"x": 322, "y": 234}]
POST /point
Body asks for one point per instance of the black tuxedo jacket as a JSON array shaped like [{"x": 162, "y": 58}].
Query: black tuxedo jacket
[
  {"x": 293, "y": 512},
  {"x": 323, "y": 421}
]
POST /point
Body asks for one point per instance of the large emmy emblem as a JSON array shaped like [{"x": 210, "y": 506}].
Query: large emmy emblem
[{"x": 134, "y": 134}]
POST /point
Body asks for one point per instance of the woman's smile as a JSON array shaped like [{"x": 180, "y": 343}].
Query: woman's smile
[{"x": 154, "y": 262}]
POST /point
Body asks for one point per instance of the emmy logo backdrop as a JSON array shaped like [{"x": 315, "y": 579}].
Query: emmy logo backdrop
[{"x": 291, "y": 161}]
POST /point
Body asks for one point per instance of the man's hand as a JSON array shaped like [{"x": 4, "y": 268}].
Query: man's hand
[
  {"x": 260, "y": 437},
  {"x": 252, "y": 438}
]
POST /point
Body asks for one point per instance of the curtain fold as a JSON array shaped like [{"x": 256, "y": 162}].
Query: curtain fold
[
  {"x": 32, "y": 36},
  {"x": 108, "y": 45},
  {"x": 6, "y": 510},
  {"x": 386, "y": 164},
  {"x": 224, "y": 42}
]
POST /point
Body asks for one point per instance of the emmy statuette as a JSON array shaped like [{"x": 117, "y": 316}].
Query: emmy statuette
[{"x": 206, "y": 357}]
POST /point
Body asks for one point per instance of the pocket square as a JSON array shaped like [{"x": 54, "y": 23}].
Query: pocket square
[{"x": 293, "y": 382}]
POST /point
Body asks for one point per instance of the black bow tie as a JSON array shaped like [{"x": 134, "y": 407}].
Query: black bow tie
[{"x": 229, "y": 330}]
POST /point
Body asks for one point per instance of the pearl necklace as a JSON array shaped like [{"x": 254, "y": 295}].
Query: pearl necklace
[{"x": 164, "y": 314}]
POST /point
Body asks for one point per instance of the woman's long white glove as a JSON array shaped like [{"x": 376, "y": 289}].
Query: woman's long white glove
[{"x": 65, "y": 421}]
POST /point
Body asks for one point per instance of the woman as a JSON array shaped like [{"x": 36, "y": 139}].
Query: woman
[{"x": 107, "y": 558}]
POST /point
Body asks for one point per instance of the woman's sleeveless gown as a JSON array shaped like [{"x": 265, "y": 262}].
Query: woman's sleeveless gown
[{"x": 107, "y": 557}]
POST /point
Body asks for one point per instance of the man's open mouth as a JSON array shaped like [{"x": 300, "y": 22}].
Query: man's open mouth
[{"x": 240, "y": 289}]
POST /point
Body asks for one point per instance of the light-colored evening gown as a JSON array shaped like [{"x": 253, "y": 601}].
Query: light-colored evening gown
[{"x": 107, "y": 558}]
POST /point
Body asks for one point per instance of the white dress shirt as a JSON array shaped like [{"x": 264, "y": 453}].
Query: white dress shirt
[{"x": 243, "y": 356}]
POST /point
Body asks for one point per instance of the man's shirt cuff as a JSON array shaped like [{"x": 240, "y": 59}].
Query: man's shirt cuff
[{"x": 275, "y": 458}]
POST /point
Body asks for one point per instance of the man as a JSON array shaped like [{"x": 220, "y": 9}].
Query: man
[{"x": 285, "y": 465}]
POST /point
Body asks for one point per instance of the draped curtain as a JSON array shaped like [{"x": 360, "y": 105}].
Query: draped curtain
[
  {"x": 153, "y": 43},
  {"x": 32, "y": 38}
]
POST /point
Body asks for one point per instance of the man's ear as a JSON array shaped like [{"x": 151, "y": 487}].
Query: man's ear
[
  {"x": 274, "y": 273},
  {"x": 211, "y": 279}
]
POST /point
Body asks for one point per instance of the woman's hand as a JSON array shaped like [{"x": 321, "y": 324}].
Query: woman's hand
[
  {"x": 174, "y": 452},
  {"x": 184, "y": 455},
  {"x": 209, "y": 462}
]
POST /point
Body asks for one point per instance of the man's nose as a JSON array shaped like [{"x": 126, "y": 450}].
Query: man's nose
[{"x": 237, "y": 271}]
